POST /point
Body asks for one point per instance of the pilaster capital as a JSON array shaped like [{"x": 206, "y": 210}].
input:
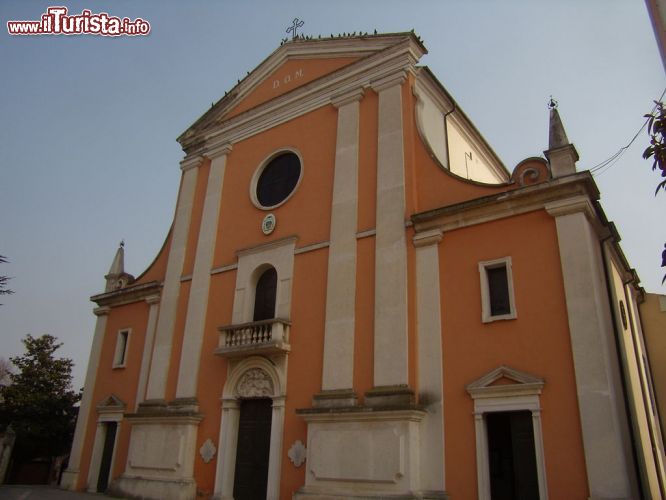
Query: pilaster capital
[
  {"x": 101, "y": 311},
  {"x": 230, "y": 403},
  {"x": 429, "y": 237},
  {"x": 389, "y": 81},
  {"x": 152, "y": 299},
  {"x": 215, "y": 150},
  {"x": 347, "y": 97},
  {"x": 278, "y": 402},
  {"x": 190, "y": 162},
  {"x": 571, "y": 206}
]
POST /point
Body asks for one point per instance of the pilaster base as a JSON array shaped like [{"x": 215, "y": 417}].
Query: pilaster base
[
  {"x": 361, "y": 452},
  {"x": 301, "y": 495},
  {"x": 69, "y": 480},
  {"x": 160, "y": 460},
  {"x": 390, "y": 396},
  {"x": 338, "y": 398},
  {"x": 154, "y": 489}
]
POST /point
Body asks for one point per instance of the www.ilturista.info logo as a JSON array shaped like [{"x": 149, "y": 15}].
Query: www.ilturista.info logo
[{"x": 56, "y": 21}]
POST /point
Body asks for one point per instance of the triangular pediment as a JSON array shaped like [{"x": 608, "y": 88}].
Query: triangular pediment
[
  {"x": 504, "y": 379},
  {"x": 293, "y": 65},
  {"x": 111, "y": 403},
  {"x": 291, "y": 74}
]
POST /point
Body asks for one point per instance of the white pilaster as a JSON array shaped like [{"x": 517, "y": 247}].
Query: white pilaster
[
  {"x": 96, "y": 458},
  {"x": 431, "y": 386},
  {"x": 482, "y": 468},
  {"x": 341, "y": 285},
  {"x": 71, "y": 475},
  {"x": 159, "y": 366},
  {"x": 226, "y": 464},
  {"x": 154, "y": 303},
  {"x": 390, "y": 344},
  {"x": 198, "y": 300},
  {"x": 591, "y": 334},
  {"x": 275, "y": 454}
]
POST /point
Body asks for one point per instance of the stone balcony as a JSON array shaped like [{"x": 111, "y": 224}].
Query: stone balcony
[{"x": 269, "y": 336}]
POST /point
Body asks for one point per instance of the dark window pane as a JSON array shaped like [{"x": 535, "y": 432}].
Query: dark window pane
[
  {"x": 498, "y": 288},
  {"x": 278, "y": 179},
  {"x": 264, "y": 298}
]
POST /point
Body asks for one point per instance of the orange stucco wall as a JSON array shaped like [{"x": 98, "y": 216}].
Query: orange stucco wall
[
  {"x": 212, "y": 374},
  {"x": 157, "y": 269},
  {"x": 537, "y": 342},
  {"x": 308, "y": 212}
]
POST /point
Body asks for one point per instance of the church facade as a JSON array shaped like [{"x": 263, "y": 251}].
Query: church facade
[{"x": 357, "y": 299}]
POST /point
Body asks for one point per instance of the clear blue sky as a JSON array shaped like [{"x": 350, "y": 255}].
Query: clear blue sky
[{"x": 88, "y": 124}]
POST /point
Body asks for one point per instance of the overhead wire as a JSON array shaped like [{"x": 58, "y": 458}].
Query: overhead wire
[{"x": 605, "y": 165}]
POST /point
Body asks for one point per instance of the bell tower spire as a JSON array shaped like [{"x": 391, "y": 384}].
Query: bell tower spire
[
  {"x": 561, "y": 154},
  {"x": 117, "y": 277}
]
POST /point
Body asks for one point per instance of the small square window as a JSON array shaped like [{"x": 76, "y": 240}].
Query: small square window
[
  {"x": 497, "y": 300},
  {"x": 120, "y": 355}
]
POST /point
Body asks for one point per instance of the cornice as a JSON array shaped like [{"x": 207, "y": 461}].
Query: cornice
[
  {"x": 318, "y": 93},
  {"x": 289, "y": 240},
  {"x": 508, "y": 203},
  {"x": 362, "y": 47},
  {"x": 360, "y": 414},
  {"x": 135, "y": 293}
]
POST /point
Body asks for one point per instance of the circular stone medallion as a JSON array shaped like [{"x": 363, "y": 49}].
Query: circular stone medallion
[{"x": 268, "y": 224}]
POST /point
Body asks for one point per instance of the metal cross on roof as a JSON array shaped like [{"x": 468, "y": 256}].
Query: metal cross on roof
[
  {"x": 552, "y": 104},
  {"x": 295, "y": 24}
]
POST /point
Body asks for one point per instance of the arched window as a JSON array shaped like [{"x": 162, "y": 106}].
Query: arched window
[{"x": 264, "y": 298}]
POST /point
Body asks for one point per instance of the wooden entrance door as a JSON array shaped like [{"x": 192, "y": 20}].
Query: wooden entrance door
[
  {"x": 513, "y": 472},
  {"x": 107, "y": 455},
  {"x": 254, "y": 437}
]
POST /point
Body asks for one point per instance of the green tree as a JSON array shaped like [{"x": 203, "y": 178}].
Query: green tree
[
  {"x": 657, "y": 151},
  {"x": 39, "y": 400},
  {"x": 657, "y": 148}
]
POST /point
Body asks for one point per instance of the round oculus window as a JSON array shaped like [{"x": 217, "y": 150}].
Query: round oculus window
[{"x": 278, "y": 179}]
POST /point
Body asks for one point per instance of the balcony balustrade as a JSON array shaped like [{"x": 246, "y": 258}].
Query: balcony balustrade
[{"x": 268, "y": 336}]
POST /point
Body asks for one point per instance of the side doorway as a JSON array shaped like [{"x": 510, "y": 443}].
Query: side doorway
[
  {"x": 107, "y": 456},
  {"x": 511, "y": 456}
]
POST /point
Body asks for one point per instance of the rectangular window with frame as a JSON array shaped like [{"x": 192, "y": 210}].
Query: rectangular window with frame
[
  {"x": 497, "y": 301},
  {"x": 122, "y": 342}
]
